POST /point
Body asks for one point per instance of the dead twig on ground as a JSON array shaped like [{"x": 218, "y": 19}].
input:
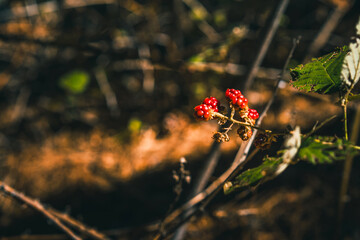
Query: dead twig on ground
[
  {"x": 78, "y": 225},
  {"x": 55, "y": 216},
  {"x": 9, "y": 191}
]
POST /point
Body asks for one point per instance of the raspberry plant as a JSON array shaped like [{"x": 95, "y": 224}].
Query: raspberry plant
[
  {"x": 240, "y": 114},
  {"x": 336, "y": 72}
]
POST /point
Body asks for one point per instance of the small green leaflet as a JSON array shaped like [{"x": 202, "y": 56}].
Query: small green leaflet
[
  {"x": 254, "y": 175},
  {"x": 322, "y": 75},
  {"x": 271, "y": 166},
  {"x": 324, "y": 149},
  {"x": 75, "y": 81},
  {"x": 350, "y": 73}
]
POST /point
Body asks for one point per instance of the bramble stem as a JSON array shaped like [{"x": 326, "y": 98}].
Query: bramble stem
[
  {"x": 345, "y": 121},
  {"x": 228, "y": 128},
  {"x": 231, "y": 119},
  {"x": 356, "y": 147}
]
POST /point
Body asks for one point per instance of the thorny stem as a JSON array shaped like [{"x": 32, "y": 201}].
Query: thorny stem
[
  {"x": 228, "y": 128},
  {"x": 315, "y": 128},
  {"x": 231, "y": 119}
]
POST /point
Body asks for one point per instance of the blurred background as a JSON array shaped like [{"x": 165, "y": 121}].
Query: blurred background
[{"x": 96, "y": 104}]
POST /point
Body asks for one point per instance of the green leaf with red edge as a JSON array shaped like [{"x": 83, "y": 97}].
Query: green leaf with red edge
[{"x": 321, "y": 75}]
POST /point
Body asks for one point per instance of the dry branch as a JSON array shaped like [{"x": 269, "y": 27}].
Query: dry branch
[
  {"x": 35, "y": 204},
  {"x": 55, "y": 216},
  {"x": 266, "y": 43}
]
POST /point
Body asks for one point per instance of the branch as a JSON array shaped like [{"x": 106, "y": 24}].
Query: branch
[
  {"x": 325, "y": 32},
  {"x": 78, "y": 225},
  {"x": 9, "y": 191},
  {"x": 266, "y": 43}
]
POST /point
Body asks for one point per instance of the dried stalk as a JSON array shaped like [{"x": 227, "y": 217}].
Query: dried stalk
[{"x": 9, "y": 191}]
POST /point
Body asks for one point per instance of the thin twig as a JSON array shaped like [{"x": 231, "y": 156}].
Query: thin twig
[
  {"x": 219, "y": 115},
  {"x": 9, "y": 191},
  {"x": 266, "y": 43},
  {"x": 106, "y": 89},
  {"x": 149, "y": 80},
  {"x": 315, "y": 128},
  {"x": 20, "y": 105},
  {"x": 200, "y": 11},
  {"x": 78, "y": 225},
  {"x": 325, "y": 32},
  {"x": 345, "y": 122}
]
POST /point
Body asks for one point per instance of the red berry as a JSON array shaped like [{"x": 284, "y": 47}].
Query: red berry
[
  {"x": 206, "y": 115},
  {"x": 207, "y": 101},
  {"x": 253, "y": 114},
  {"x": 236, "y": 98},
  {"x": 204, "y": 112},
  {"x": 212, "y": 103}
]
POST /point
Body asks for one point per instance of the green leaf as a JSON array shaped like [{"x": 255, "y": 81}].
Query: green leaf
[
  {"x": 254, "y": 175},
  {"x": 322, "y": 75},
  {"x": 350, "y": 73},
  {"x": 325, "y": 149},
  {"x": 271, "y": 166},
  {"x": 75, "y": 81}
]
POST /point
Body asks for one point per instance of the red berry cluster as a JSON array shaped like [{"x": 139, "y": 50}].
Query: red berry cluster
[
  {"x": 213, "y": 103},
  {"x": 245, "y": 117},
  {"x": 253, "y": 114},
  {"x": 236, "y": 98},
  {"x": 205, "y": 110}
]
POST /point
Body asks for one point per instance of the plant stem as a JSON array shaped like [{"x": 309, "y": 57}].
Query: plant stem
[
  {"x": 231, "y": 119},
  {"x": 345, "y": 121},
  {"x": 356, "y": 147},
  {"x": 347, "y": 169},
  {"x": 315, "y": 128}
]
